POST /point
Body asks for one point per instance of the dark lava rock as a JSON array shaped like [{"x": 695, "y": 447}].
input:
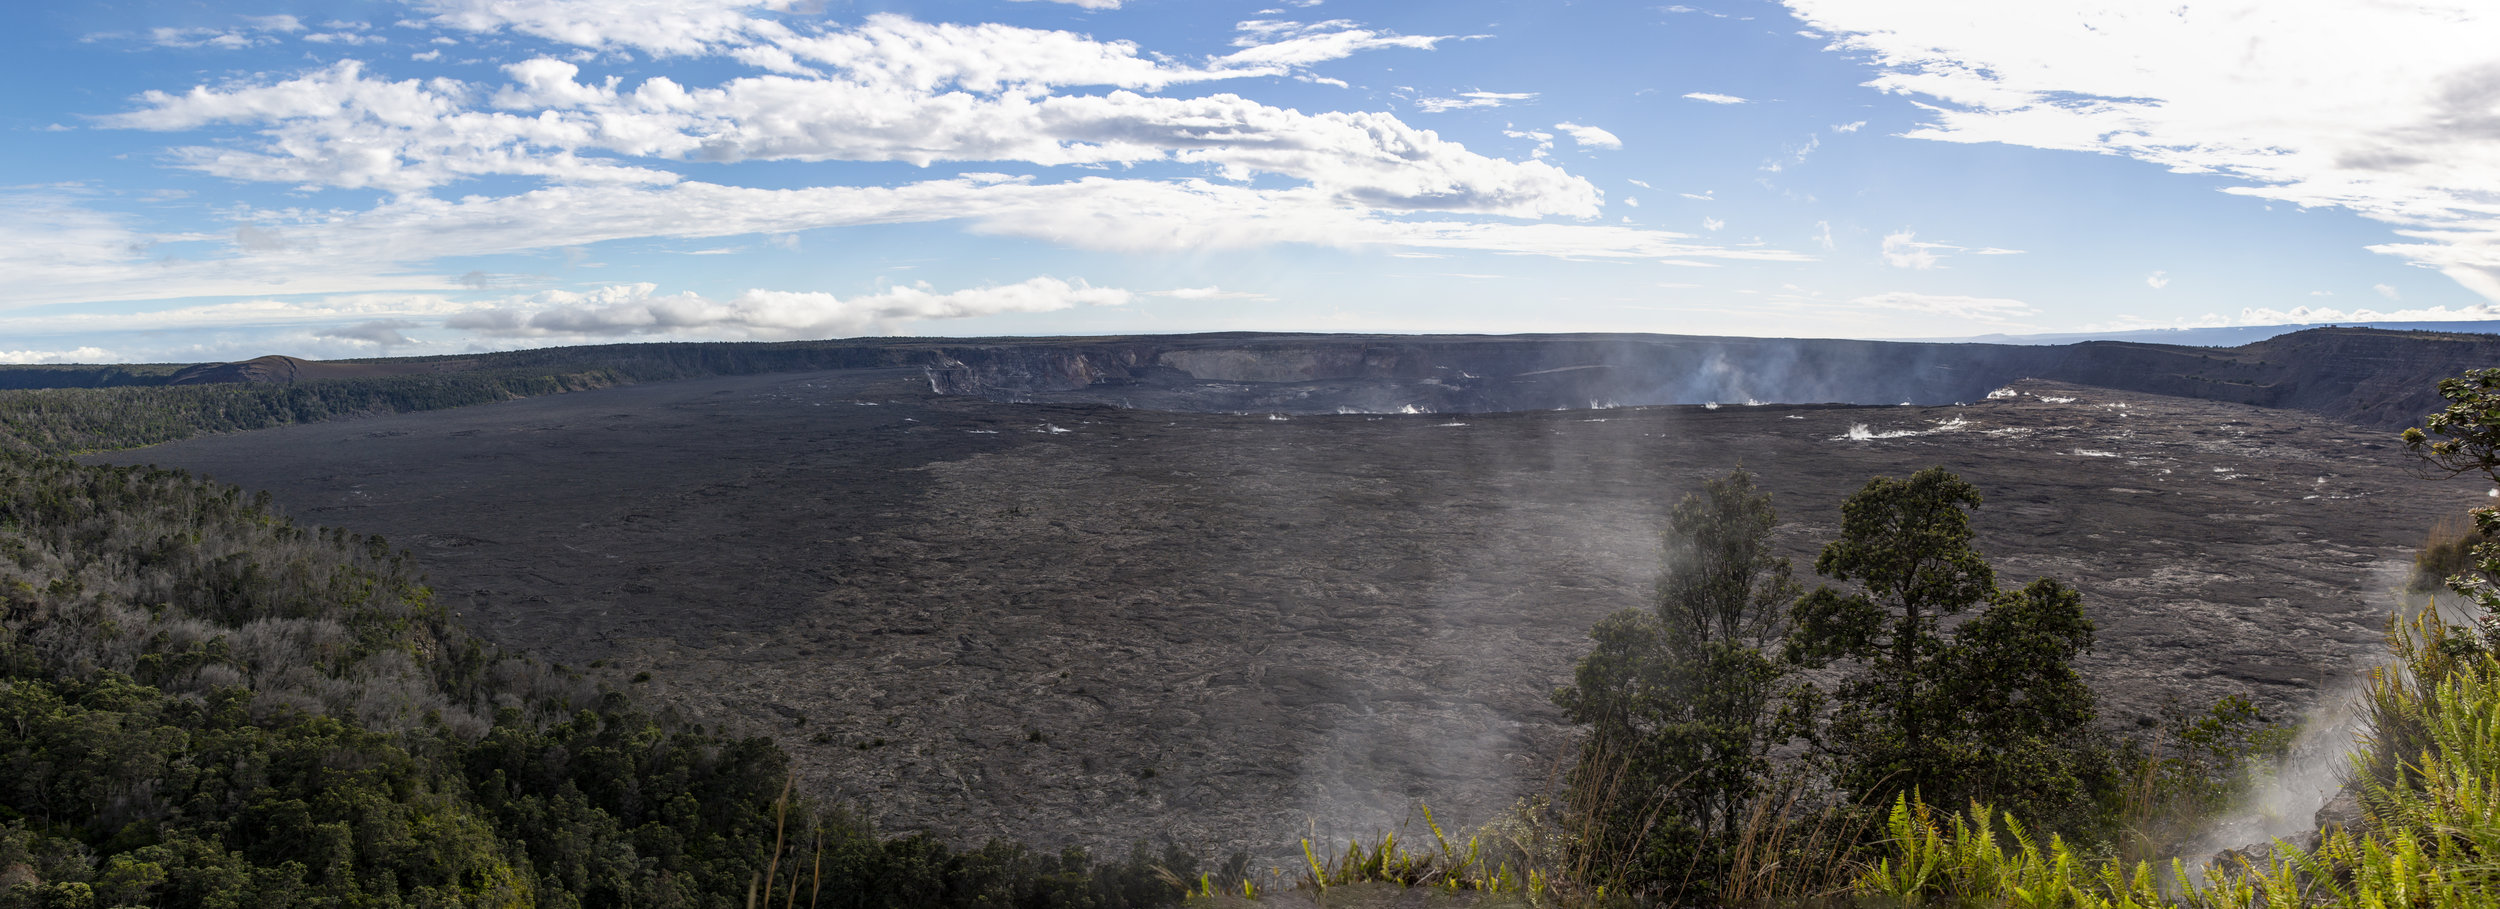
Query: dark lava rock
[{"x": 1070, "y": 623}]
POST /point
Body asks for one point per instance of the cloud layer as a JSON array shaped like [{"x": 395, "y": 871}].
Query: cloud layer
[
  {"x": 2385, "y": 109},
  {"x": 772, "y": 315},
  {"x": 1105, "y": 145}
]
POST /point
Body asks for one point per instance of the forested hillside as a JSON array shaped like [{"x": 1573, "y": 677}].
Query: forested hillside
[{"x": 205, "y": 704}]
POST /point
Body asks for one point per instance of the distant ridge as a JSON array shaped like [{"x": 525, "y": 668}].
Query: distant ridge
[
  {"x": 2223, "y": 335},
  {"x": 2372, "y": 377}
]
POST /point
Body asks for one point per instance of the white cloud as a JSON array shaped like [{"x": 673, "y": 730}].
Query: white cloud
[
  {"x": 2380, "y": 108},
  {"x": 2157, "y": 280},
  {"x": 1589, "y": 136},
  {"x": 205, "y": 37},
  {"x": 1269, "y": 42},
  {"x": 1471, "y": 100},
  {"x": 2316, "y": 315},
  {"x": 1640, "y": 183},
  {"x": 1903, "y": 250},
  {"x": 639, "y": 309},
  {"x": 657, "y": 27},
  {"x": 1205, "y": 293},
  {"x": 71, "y": 255},
  {"x": 2385, "y": 291},
  {"x": 2305, "y": 315},
  {"x": 1714, "y": 98},
  {"x": 606, "y": 158},
  {"x": 897, "y": 52},
  {"x": 338, "y": 127},
  {"x": 74, "y": 355},
  {"x": 1797, "y": 155},
  {"x": 1088, "y": 4},
  {"x": 1823, "y": 234},
  {"x": 262, "y": 312},
  {"x": 1850, "y": 127},
  {"x": 1544, "y": 140},
  {"x": 1712, "y": 224}
]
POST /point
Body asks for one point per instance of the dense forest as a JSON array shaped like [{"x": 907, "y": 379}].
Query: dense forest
[{"x": 203, "y": 703}]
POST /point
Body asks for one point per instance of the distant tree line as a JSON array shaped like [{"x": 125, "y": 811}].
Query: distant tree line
[{"x": 60, "y": 421}]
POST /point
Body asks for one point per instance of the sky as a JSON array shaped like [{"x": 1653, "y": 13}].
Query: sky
[{"x": 187, "y": 181}]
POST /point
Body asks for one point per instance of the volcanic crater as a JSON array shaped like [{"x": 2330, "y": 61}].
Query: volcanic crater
[{"x": 1082, "y": 624}]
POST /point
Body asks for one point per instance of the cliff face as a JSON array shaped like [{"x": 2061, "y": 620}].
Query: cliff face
[
  {"x": 2383, "y": 379},
  {"x": 1338, "y": 374},
  {"x": 2374, "y": 378}
]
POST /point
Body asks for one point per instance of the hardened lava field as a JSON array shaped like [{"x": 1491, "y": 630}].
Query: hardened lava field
[{"x": 1092, "y": 625}]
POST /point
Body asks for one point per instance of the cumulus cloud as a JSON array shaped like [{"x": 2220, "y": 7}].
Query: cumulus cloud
[
  {"x": 2157, "y": 280},
  {"x": 339, "y": 127},
  {"x": 1589, "y": 136},
  {"x": 1903, "y": 250},
  {"x": 2386, "y": 291},
  {"x": 605, "y": 157},
  {"x": 640, "y": 309},
  {"x": 1714, "y": 98},
  {"x": 2380, "y": 108},
  {"x": 657, "y": 27}
]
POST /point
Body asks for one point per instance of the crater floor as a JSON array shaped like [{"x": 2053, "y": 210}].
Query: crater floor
[{"x": 1074, "y": 624}]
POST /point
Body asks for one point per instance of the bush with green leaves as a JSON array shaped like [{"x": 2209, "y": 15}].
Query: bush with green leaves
[
  {"x": 1682, "y": 700},
  {"x": 2430, "y": 838}
]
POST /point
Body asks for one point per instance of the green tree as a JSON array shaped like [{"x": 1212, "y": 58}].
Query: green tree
[
  {"x": 2469, "y": 428},
  {"x": 1994, "y": 711},
  {"x": 1682, "y": 698}
]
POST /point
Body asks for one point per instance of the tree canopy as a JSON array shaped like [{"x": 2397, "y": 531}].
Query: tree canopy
[
  {"x": 1994, "y": 709},
  {"x": 1682, "y": 698}
]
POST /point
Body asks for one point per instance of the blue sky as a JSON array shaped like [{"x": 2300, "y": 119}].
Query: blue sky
[{"x": 188, "y": 181}]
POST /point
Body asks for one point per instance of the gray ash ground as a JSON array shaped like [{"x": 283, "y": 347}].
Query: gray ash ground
[{"x": 1087, "y": 625}]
